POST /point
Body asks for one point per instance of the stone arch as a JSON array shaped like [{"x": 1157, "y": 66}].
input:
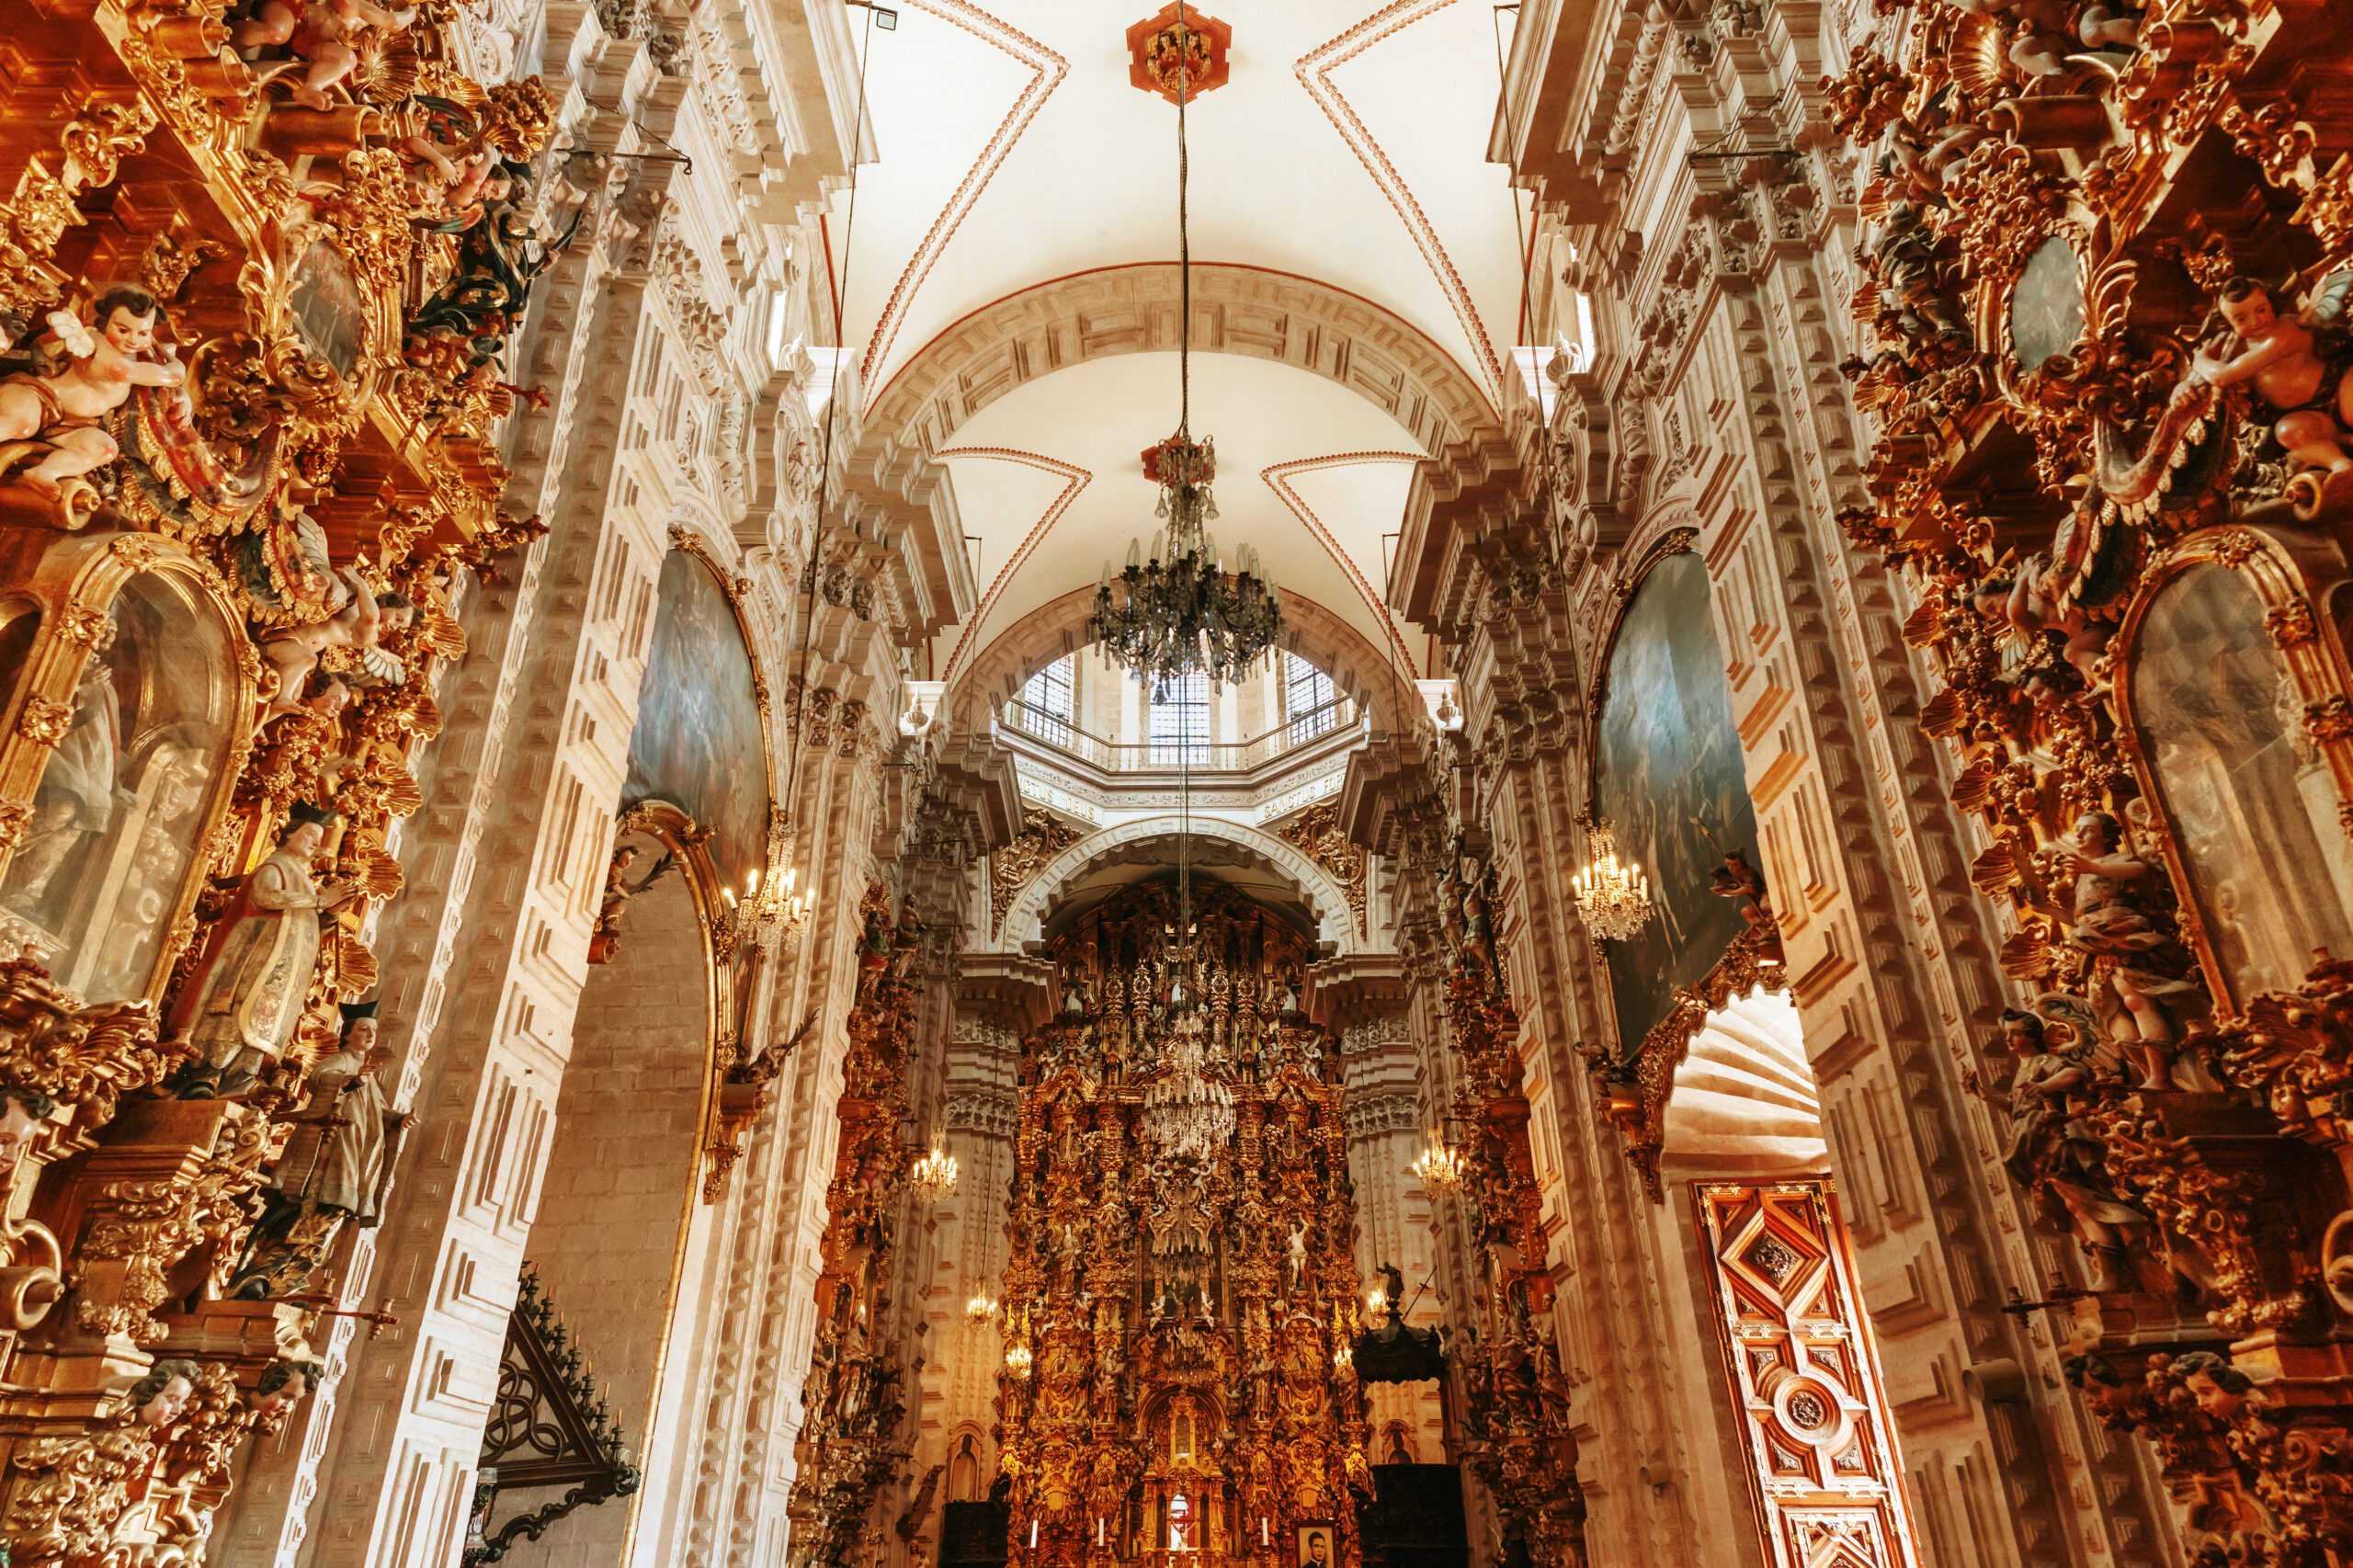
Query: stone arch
[
  {"x": 1355, "y": 663},
  {"x": 1025, "y": 919},
  {"x": 1278, "y": 316}
]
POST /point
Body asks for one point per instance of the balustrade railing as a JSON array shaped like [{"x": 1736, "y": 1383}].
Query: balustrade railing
[{"x": 1335, "y": 717}]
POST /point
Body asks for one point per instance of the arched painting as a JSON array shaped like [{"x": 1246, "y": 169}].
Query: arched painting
[
  {"x": 1669, "y": 779},
  {"x": 698, "y": 742}
]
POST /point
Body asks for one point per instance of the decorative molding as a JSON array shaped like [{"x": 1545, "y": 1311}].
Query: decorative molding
[
  {"x": 1047, "y": 69},
  {"x": 1314, "y": 72}
]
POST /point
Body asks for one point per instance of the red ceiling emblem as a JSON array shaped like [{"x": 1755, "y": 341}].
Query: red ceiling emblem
[{"x": 1156, "y": 61}]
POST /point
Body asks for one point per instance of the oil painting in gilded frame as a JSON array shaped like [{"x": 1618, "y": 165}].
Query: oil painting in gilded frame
[
  {"x": 698, "y": 719},
  {"x": 1670, "y": 780},
  {"x": 324, "y": 301}
]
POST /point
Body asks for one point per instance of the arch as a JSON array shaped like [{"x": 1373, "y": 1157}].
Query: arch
[
  {"x": 1278, "y": 316},
  {"x": 1025, "y": 919},
  {"x": 1322, "y": 637}
]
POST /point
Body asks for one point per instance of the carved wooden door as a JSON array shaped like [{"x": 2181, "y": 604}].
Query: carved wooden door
[{"x": 1822, "y": 1466}]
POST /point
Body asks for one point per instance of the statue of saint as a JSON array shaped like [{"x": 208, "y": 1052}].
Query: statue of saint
[
  {"x": 241, "y": 1005},
  {"x": 334, "y": 1167},
  {"x": 79, "y": 790},
  {"x": 2053, "y": 1155},
  {"x": 2149, "y": 972}
]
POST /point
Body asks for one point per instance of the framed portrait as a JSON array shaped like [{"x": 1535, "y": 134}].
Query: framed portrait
[
  {"x": 324, "y": 298},
  {"x": 1319, "y": 1545}
]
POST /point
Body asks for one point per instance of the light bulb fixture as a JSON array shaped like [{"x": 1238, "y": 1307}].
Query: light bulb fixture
[
  {"x": 1375, "y": 1301},
  {"x": 1018, "y": 1361},
  {"x": 982, "y": 1308},
  {"x": 1177, "y": 611},
  {"x": 1614, "y": 898},
  {"x": 933, "y": 1175},
  {"x": 1440, "y": 1168}
]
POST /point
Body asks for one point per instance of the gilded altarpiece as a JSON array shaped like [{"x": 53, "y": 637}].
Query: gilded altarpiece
[
  {"x": 1181, "y": 1302},
  {"x": 2102, "y": 327}
]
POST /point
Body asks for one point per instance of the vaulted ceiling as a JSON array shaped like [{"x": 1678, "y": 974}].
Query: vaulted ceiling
[{"x": 1347, "y": 146}]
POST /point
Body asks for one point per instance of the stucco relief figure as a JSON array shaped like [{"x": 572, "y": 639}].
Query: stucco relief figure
[
  {"x": 2300, "y": 364},
  {"x": 334, "y": 1167},
  {"x": 48, "y": 423},
  {"x": 2051, "y": 1154},
  {"x": 242, "y": 1005},
  {"x": 2148, "y": 974},
  {"x": 79, "y": 791}
]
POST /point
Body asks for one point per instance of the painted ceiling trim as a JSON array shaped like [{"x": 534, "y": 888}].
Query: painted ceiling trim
[
  {"x": 1314, "y": 72},
  {"x": 1278, "y": 477},
  {"x": 1077, "y": 479},
  {"x": 1048, "y": 70}
]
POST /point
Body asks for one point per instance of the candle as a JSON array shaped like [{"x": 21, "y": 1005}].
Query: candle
[
  {"x": 1099, "y": 1529},
  {"x": 1033, "y": 1535},
  {"x": 1262, "y": 1531}
]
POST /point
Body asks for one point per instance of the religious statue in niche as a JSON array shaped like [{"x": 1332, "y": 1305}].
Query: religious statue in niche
[
  {"x": 241, "y": 1004},
  {"x": 80, "y": 789},
  {"x": 50, "y": 419},
  {"x": 2144, "y": 977},
  {"x": 2052, "y": 1154},
  {"x": 345, "y": 1141}
]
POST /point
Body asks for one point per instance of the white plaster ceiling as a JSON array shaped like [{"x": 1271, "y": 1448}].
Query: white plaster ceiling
[
  {"x": 1348, "y": 145},
  {"x": 1277, "y": 429}
]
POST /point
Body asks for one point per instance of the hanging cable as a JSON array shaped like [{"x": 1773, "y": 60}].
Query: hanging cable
[{"x": 1184, "y": 238}]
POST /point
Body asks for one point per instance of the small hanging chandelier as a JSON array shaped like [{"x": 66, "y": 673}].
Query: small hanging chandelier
[
  {"x": 1177, "y": 611},
  {"x": 934, "y": 1177},
  {"x": 1614, "y": 898},
  {"x": 1440, "y": 1168}
]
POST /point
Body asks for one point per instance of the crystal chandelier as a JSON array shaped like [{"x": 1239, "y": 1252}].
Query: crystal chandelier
[
  {"x": 1018, "y": 1361},
  {"x": 934, "y": 1177},
  {"x": 1178, "y": 612},
  {"x": 1440, "y": 1168},
  {"x": 1187, "y": 1113},
  {"x": 982, "y": 1308},
  {"x": 1614, "y": 898}
]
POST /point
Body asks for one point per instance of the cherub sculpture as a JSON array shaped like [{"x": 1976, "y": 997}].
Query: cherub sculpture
[
  {"x": 607, "y": 941},
  {"x": 51, "y": 420},
  {"x": 306, "y": 606},
  {"x": 2301, "y": 365},
  {"x": 319, "y": 33}
]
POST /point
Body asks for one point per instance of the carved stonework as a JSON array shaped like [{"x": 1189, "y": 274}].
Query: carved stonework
[
  {"x": 1015, "y": 867},
  {"x": 1316, "y": 831}
]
